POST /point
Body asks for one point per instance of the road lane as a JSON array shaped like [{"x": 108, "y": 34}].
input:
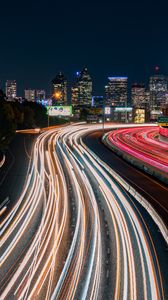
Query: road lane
[
  {"x": 92, "y": 240},
  {"x": 155, "y": 192}
]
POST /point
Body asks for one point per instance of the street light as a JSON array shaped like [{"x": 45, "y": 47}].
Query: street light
[
  {"x": 49, "y": 104},
  {"x": 56, "y": 95}
]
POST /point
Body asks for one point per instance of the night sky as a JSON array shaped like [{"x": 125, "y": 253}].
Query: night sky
[{"x": 41, "y": 38}]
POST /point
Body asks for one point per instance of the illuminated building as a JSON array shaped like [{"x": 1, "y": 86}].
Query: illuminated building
[
  {"x": 166, "y": 98},
  {"x": 59, "y": 90},
  {"x": 74, "y": 95},
  {"x": 116, "y": 91},
  {"x": 122, "y": 114},
  {"x": 40, "y": 95},
  {"x": 30, "y": 95},
  {"x": 139, "y": 96},
  {"x": 158, "y": 87},
  {"x": 97, "y": 101},
  {"x": 82, "y": 90},
  {"x": 139, "y": 115},
  {"x": 11, "y": 88}
]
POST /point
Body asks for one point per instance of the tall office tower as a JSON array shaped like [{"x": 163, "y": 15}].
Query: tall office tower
[
  {"x": 82, "y": 90},
  {"x": 75, "y": 95},
  {"x": 30, "y": 95},
  {"x": 11, "y": 88},
  {"x": 116, "y": 91},
  {"x": 59, "y": 89},
  {"x": 166, "y": 97},
  {"x": 40, "y": 95},
  {"x": 158, "y": 87},
  {"x": 139, "y": 96}
]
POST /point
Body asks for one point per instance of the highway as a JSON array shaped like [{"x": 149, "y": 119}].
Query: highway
[
  {"x": 14, "y": 171},
  {"x": 142, "y": 143},
  {"x": 148, "y": 186},
  {"x": 75, "y": 232}
]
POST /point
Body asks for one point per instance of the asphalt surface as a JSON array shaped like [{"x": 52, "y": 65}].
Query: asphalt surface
[
  {"x": 104, "y": 198},
  {"x": 14, "y": 170},
  {"x": 150, "y": 188},
  {"x": 29, "y": 230},
  {"x": 77, "y": 233}
]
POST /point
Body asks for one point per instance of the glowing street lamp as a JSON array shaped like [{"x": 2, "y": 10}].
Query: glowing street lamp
[{"x": 57, "y": 95}]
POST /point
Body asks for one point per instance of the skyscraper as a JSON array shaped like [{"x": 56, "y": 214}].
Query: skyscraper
[
  {"x": 40, "y": 95},
  {"x": 158, "y": 86},
  {"x": 11, "y": 89},
  {"x": 140, "y": 96},
  {"x": 30, "y": 95},
  {"x": 75, "y": 94},
  {"x": 59, "y": 89},
  {"x": 82, "y": 89},
  {"x": 116, "y": 91}
]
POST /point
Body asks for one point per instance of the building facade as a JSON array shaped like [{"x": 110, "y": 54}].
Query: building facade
[
  {"x": 11, "y": 89},
  {"x": 158, "y": 87},
  {"x": 116, "y": 91},
  {"x": 30, "y": 95},
  {"x": 82, "y": 90},
  {"x": 40, "y": 95},
  {"x": 75, "y": 95},
  {"x": 138, "y": 94},
  {"x": 59, "y": 90}
]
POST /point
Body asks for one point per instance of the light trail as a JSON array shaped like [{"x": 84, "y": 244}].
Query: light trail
[
  {"x": 142, "y": 143},
  {"x": 47, "y": 256}
]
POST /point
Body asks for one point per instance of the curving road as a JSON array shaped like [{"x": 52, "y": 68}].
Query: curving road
[
  {"x": 75, "y": 232},
  {"x": 142, "y": 143}
]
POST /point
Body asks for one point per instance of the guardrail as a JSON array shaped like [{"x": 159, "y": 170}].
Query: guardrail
[{"x": 157, "y": 219}]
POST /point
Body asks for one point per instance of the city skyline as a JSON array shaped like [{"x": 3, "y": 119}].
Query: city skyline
[
  {"x": 125, "y": 38},
  {"x": 71, "y": 83}
]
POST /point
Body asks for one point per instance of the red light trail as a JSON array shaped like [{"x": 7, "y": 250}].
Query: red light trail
[{"x": 142, "y": 143}]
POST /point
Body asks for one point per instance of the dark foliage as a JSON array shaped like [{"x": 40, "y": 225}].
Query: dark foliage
[{"x": 15, "y": 115}]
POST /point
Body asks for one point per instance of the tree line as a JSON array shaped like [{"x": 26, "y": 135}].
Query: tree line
[{"x": 16, "y": 115}]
